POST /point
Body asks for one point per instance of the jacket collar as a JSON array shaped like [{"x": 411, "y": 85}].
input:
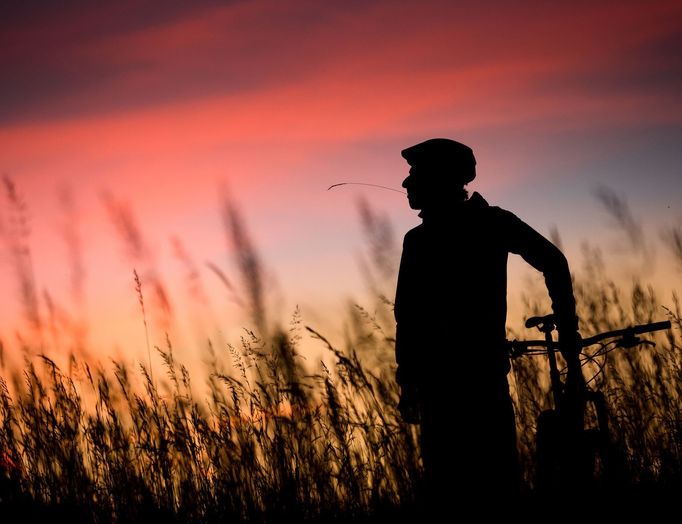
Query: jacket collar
[{"x": 474, "y": 202}]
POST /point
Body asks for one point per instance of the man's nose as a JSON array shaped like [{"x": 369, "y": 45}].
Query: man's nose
[{"x": 405, "y": 182}]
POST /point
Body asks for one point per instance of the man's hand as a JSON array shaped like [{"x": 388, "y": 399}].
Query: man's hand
[
  {"x": 570, "y": 347},
  {"x": 409, "y": 406}
]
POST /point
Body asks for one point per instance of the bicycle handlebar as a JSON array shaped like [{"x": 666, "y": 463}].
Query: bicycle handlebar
[
  {"x": 627, "y": 332},
  {"x": 520, "y": 347}
]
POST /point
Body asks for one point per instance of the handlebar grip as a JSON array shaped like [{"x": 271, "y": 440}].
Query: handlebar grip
[{"x": 654, "y": 326}]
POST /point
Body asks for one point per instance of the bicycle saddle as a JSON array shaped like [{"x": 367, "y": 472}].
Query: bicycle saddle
[{"x": 532, "y": 322}]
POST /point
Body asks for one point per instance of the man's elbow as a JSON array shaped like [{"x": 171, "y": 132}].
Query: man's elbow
[{"x": 557, "y": 261}]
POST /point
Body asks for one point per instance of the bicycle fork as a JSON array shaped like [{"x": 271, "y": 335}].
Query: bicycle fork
[
  {"x": 561, "y": 440},
  {"x": 567, "y": 450}
]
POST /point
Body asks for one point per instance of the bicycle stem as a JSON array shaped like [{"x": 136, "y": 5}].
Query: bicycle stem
[{"x": 555, "y": 376}]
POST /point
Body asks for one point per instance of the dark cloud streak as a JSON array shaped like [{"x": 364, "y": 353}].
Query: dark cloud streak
[
  {"x": 90, "y": 58},
  {"x": 51, "y": 61},
  {"x": 87, "y": 58}
]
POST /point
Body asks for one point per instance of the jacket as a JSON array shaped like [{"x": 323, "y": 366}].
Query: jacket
[{"x": 451, "y": 295}]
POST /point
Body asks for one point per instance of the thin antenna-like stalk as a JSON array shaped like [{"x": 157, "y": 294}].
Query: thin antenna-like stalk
[
  {"x": 140, "y": 298},
  {"x": 365, "y": 184}
]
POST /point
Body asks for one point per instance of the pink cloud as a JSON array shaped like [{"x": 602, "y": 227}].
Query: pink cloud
[
  {"x": 280, "y": 97},
  {"x": 370, "y": 51}
]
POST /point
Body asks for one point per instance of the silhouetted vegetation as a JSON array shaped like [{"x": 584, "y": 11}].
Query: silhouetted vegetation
[{"x": 279, "y": 438}]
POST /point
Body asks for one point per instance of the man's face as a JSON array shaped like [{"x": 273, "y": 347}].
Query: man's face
[
  {"x": 429, "y": 187},
  {"x": 419, "y": 190}
]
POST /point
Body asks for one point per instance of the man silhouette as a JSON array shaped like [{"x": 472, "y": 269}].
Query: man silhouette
[{"x": 450, "y": 309}]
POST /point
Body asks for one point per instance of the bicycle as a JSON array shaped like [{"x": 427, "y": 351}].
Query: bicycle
[{"x": 567, "y": 452}]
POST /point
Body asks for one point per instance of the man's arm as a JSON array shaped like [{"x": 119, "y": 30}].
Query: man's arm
[{"x": 551, "y": 262}]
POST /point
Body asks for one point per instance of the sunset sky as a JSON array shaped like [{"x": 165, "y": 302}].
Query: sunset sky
[{"x": 162, "y": 108}]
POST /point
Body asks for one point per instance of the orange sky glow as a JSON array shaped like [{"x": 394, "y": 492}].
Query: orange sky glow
[{"x": 153, "y": 111}]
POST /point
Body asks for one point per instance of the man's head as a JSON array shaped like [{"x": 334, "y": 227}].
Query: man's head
[{"x": 439, "y": 170}]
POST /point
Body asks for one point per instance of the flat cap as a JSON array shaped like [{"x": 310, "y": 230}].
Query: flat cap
[{"x": 444, "y": 154}]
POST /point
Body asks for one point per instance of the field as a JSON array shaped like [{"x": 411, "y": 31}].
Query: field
[{"x": 279, "y": 438}]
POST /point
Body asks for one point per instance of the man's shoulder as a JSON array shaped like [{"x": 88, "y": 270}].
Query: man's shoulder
[
  {"x": 481, "y": 206},
  {"x": 501, "y": 213}
]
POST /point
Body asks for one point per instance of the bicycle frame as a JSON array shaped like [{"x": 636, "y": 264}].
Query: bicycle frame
[{"x": 566, "y": 450}]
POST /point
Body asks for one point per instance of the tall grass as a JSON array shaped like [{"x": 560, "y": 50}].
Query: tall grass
[
  {"x": 279, "y": 438},
  {"x": 270, "y": 442}
]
